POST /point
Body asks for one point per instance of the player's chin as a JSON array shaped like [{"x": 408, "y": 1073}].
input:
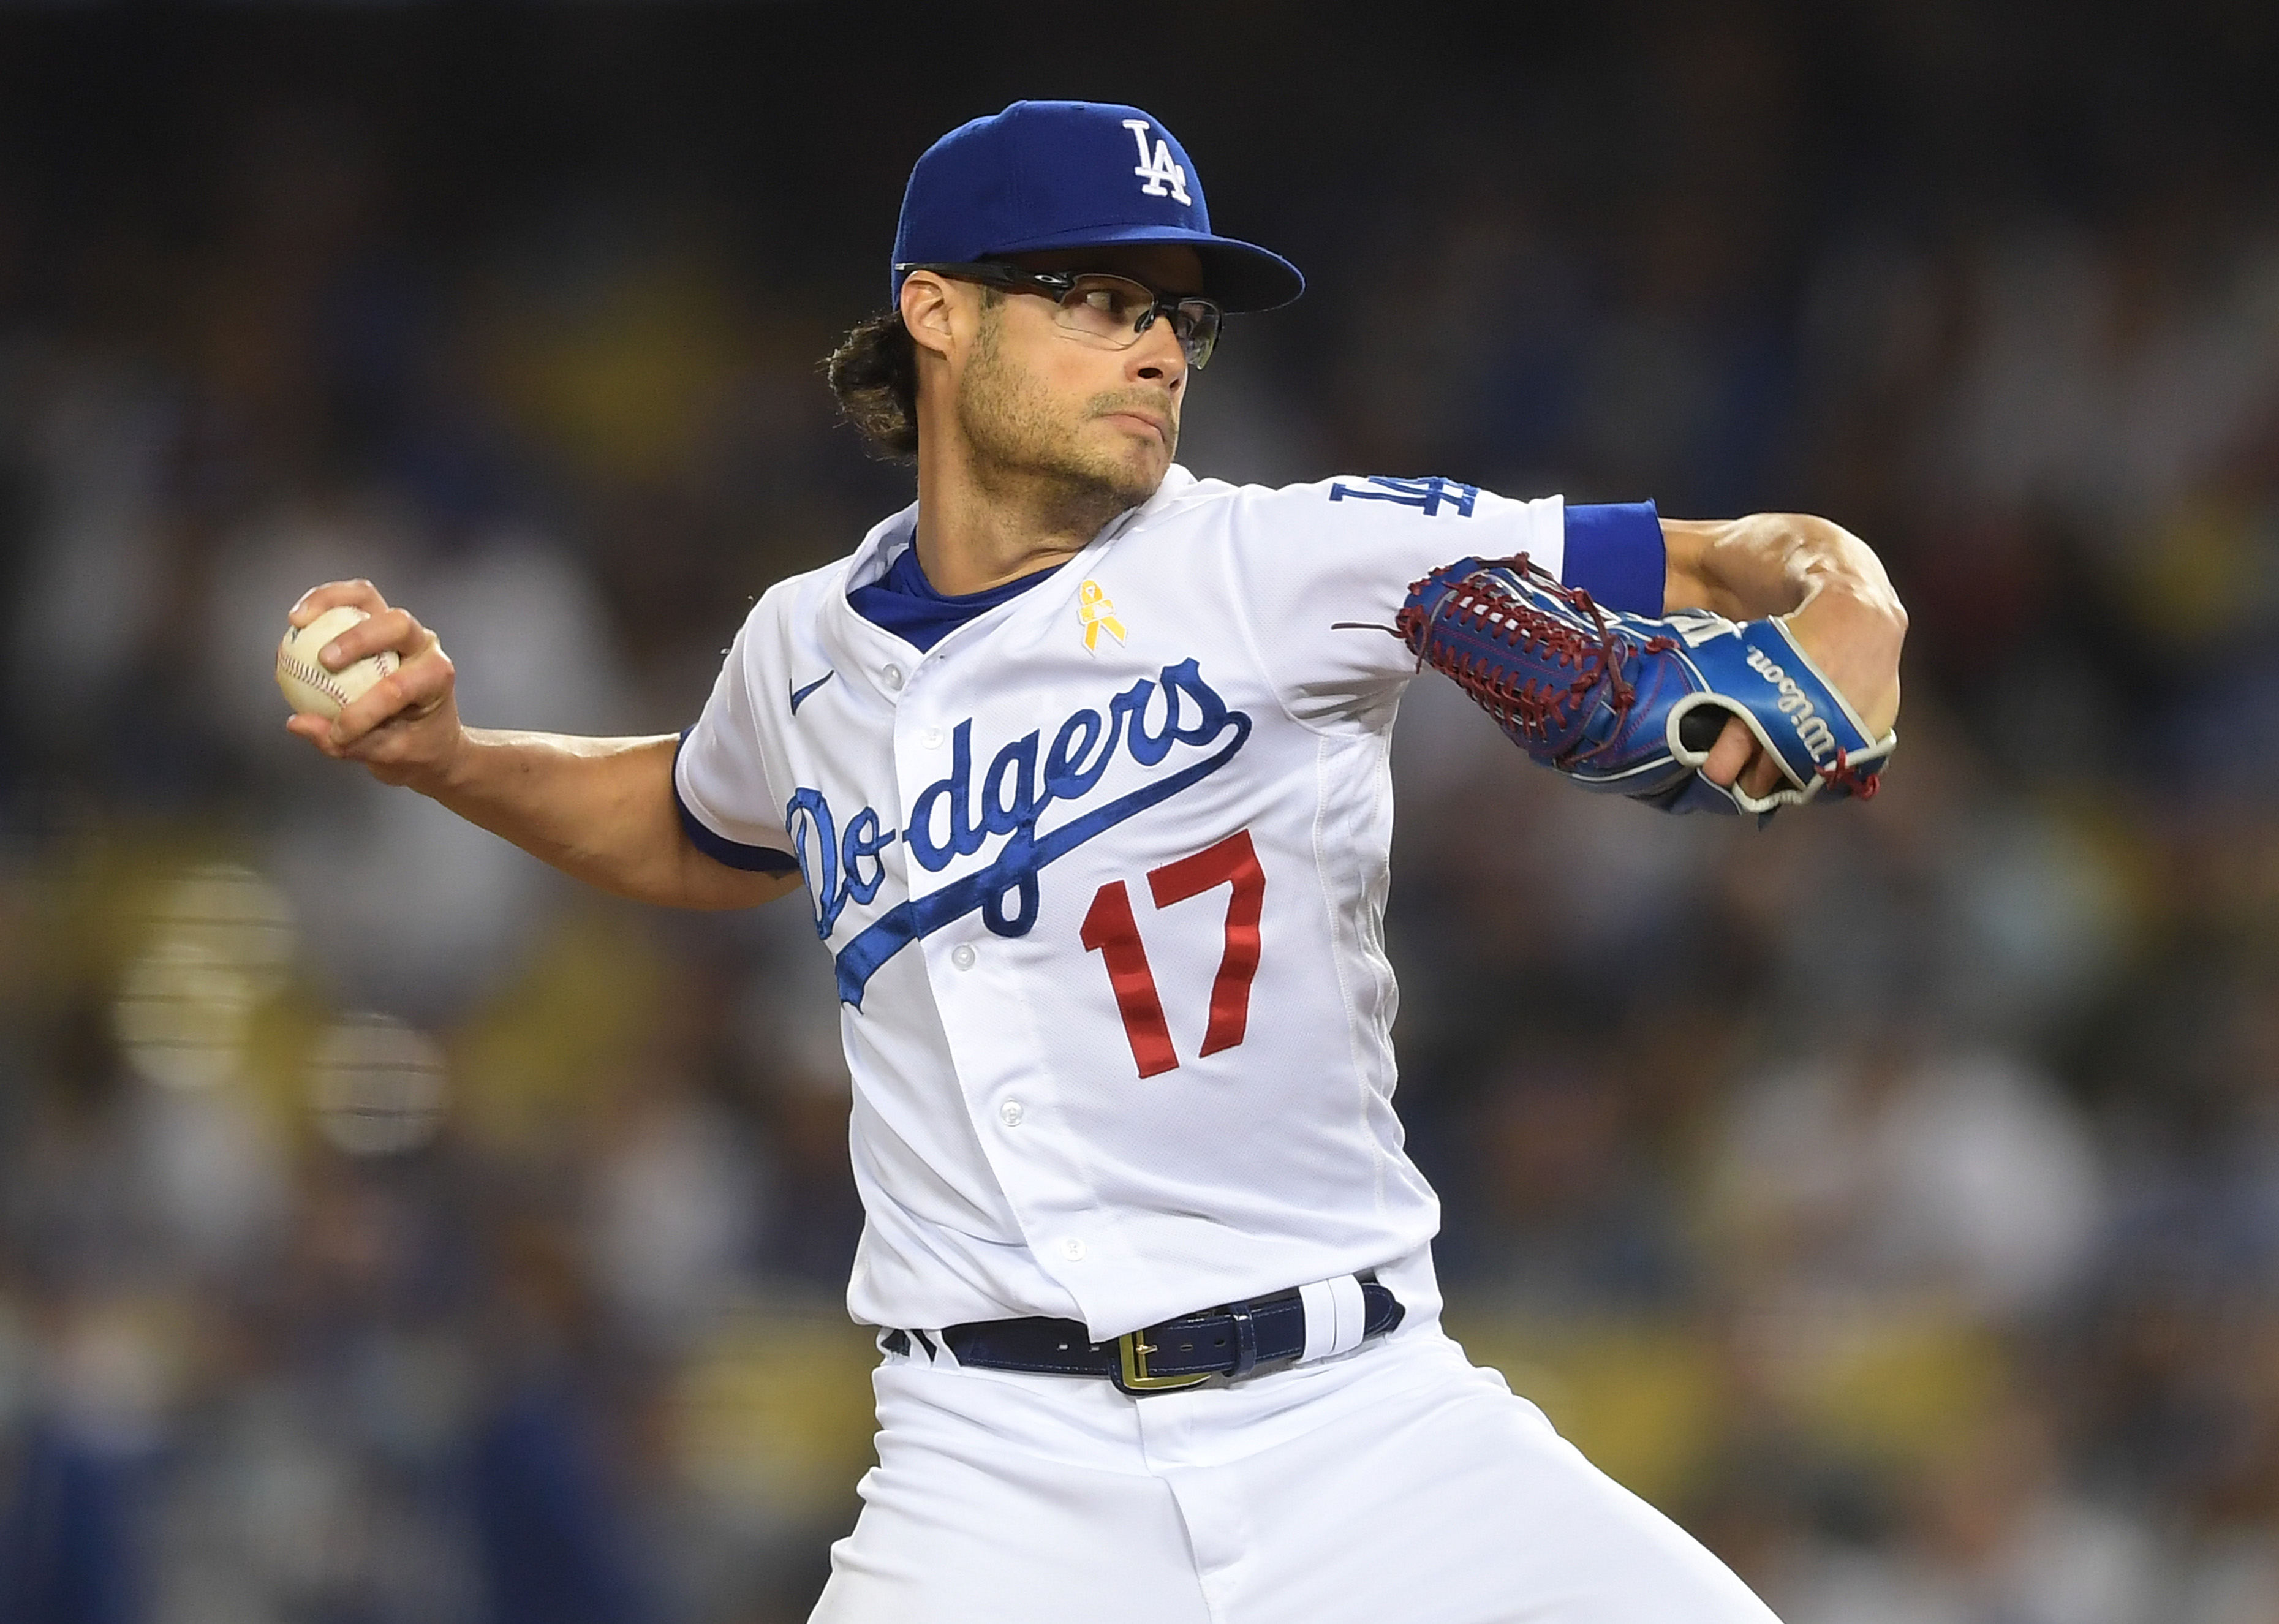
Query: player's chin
[{"x": 1133, "y": 460}]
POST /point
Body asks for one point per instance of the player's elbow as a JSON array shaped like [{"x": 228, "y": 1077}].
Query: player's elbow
[{"x": 703, "y": 881}]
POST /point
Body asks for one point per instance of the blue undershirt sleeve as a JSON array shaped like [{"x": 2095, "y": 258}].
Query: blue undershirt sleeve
[{"x": 1614, "y": 553}]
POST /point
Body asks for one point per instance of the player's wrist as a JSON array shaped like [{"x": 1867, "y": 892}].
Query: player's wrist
[
  {"x": 1855, "y": 631},
  {"x": 451, "y": 765},
  {"x": 1863, "y": 614}
]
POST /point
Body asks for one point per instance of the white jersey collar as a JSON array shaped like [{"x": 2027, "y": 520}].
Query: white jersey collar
[{"x": 887, "y": 661}]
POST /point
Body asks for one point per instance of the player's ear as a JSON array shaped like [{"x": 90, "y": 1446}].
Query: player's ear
[{"x": 926, "y": 300}]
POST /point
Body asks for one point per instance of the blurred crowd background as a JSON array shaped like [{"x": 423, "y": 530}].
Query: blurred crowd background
[{"x": 389, "y": 1232}]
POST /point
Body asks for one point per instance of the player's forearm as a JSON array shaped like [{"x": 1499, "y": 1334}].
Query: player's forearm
[
  {"x": 600, "y": 809},
  {"x": 1771, "y": 564}
]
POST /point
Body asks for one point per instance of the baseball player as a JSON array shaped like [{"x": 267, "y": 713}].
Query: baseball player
[{"x": 1080, "y": 764}]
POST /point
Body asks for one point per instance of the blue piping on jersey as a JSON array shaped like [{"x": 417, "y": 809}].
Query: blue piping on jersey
[{"x": 719, "y": 847}]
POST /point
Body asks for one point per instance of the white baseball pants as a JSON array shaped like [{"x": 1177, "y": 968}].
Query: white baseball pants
[{"x": 1396, "y": 1485}]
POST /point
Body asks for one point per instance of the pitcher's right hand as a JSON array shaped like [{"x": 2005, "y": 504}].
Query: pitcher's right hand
[{"x": 406, "y": 729}]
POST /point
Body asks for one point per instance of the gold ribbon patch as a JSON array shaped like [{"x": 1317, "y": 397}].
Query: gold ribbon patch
[{"x": 1097, "y": 612}]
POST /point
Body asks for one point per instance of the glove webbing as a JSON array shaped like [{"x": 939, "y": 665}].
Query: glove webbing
[{"x": 1540, "y": 714}]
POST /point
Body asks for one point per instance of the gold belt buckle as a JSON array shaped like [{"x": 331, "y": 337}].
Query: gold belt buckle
[{"x": 1133, "y": 1377}]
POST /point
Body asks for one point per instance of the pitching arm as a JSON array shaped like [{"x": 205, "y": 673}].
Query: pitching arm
[
  {"x": 1828, "y": 585},
  {"x": 600, "y": 810}
]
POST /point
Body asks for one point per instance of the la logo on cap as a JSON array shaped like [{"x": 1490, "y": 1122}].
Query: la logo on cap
[
  {"x": 1044, "y": 177},
  {"x": 1163, "y": 177}
]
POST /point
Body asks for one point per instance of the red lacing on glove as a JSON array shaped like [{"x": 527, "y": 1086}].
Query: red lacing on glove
[
  {"x": 1536, "y": 709},
  {"x": 1844, "y": 775}
]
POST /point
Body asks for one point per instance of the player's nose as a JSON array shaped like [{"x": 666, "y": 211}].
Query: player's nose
[{"x": 1157, "y": 358}]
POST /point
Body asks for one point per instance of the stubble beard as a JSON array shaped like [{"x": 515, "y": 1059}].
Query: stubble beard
[{"x": 1024, "y": 452}]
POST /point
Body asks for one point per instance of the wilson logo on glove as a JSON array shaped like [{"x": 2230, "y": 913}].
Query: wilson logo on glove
[{"x": 1811, "y": 728}]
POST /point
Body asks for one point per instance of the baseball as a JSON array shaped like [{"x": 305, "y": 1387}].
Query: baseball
[{"x": 309, "y": 687}]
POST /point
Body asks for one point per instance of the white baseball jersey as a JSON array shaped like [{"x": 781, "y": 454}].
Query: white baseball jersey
[{"x": 1103, "y": 872}]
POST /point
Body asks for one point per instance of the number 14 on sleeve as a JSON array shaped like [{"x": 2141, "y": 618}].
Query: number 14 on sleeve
[{"x": 1111, "y": 930}]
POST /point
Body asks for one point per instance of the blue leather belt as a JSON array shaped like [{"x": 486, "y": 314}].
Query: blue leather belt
[{"x": 1231, "y": 1340}]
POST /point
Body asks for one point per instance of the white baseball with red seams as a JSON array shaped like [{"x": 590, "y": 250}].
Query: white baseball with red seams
[{"x": 309, "y": 686}]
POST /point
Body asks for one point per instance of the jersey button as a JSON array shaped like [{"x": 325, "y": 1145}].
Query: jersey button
[
  {"x": 930, "y": 738},
  {"x": 962, "y": 955},
  {"x": 1072, "y": 1249},
  {"x": 893, "y": 675},
  {"x": 1012, "y": 1112}
]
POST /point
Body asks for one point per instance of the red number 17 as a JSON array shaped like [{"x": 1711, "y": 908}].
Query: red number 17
[{"x": 1111, "y": 930}]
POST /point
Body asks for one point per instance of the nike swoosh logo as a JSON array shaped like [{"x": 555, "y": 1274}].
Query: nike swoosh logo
[{"x": 799, "y": 695}]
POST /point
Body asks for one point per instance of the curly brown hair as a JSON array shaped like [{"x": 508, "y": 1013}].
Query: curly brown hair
[{"x": 874, "y": 373}]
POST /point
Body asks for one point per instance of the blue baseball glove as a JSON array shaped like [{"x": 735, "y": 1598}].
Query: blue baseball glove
[{"x": 1624, "y": 703}]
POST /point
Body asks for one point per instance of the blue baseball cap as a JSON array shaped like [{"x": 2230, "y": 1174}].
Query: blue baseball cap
[{"x": 1074, "y": 174}]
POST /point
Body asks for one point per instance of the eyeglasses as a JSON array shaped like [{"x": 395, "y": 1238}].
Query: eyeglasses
[{"x": 1111, "y": 311}]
